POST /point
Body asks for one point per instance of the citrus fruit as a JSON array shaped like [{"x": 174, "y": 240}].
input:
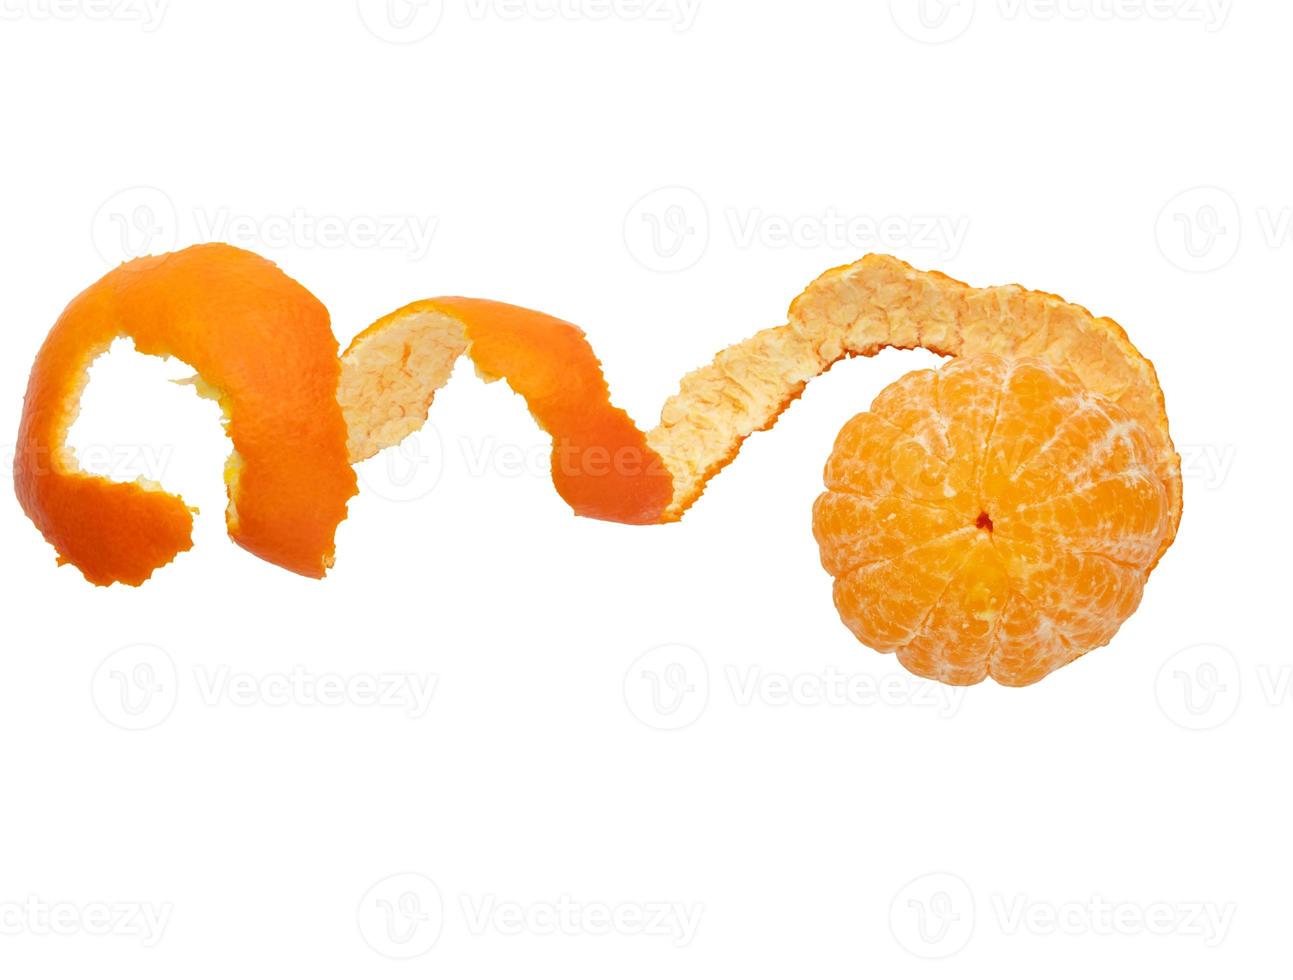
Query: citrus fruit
[
  {"x": 262, "y": 347},
  {"x": 992, "y": 518}
]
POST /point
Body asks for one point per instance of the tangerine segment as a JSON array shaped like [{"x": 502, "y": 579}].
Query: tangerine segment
[
  {"x": 601, "y": 463},
  {"x": 262, "y": 347},
  {"x": 881, "y": 302},
  {"x": 973, "y": 533}
]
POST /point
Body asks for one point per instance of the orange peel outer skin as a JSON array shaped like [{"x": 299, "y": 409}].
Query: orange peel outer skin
[
  {"x": 263, "y": 344},
  {"x": 601, "y": 463}
]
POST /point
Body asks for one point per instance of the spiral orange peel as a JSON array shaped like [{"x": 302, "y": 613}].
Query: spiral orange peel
[
  {"x": 297, "y": 414},
  {"x": 262, "y": 347}
]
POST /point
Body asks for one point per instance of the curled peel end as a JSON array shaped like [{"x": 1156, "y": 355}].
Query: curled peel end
[{"x": 261, "y": 344}]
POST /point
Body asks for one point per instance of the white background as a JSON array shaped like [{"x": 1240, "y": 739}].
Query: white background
[{"x": 542, "y": 814}]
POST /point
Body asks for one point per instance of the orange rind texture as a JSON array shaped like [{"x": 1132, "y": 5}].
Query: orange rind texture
[
  {"x": 601, "y": 463},
  {"x": 262, "y": 346}
]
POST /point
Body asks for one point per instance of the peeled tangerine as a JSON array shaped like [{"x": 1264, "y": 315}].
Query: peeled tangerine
[{"x": 992, "y": 518}]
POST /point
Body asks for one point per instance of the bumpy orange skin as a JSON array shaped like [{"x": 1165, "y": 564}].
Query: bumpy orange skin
[
  {"x": 993, "y": 518},
  {"x": 601, "y": 463},
  {"x": 257, "y": 338}
]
